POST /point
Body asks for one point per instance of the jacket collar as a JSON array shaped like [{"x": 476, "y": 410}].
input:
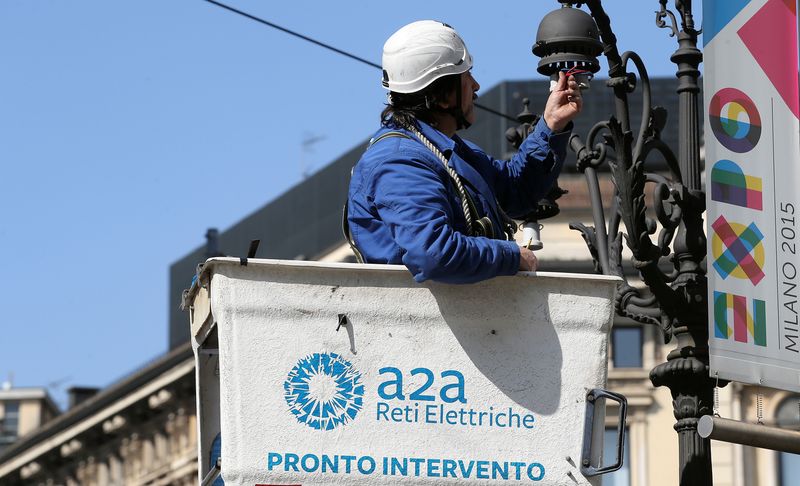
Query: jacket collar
[{"x": 444, "y": 143}]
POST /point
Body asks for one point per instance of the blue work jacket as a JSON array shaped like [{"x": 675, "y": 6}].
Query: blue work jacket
[{"x": 403, "y": 208}]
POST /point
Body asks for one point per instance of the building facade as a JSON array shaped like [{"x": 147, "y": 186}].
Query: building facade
[
  {"x": 141, "y": 430},
  {"x": 23, "y": 410}
]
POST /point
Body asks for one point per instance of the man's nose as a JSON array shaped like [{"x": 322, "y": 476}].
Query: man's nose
[{"x": 475, "y": 85}]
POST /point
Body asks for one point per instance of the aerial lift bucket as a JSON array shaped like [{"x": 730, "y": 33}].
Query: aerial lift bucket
[{"x": 316, "y": 373}]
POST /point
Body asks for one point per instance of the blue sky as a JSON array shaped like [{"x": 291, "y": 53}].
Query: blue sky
[{"x": 127, "y": 128}]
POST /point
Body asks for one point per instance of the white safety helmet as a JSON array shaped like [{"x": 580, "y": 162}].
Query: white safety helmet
[{"x": 420, "y": 53}]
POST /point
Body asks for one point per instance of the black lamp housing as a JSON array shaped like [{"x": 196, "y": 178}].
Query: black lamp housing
[{"x": 568, "y": 38}]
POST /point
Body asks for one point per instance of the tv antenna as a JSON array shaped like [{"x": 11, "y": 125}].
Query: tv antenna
[{"x": 307, "y": 144}]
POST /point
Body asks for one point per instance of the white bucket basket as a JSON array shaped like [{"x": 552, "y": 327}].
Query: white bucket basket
[{"x": 312, "y": 373}]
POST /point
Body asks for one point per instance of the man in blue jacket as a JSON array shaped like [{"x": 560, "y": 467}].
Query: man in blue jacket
[{"x": 424, "y": 197}]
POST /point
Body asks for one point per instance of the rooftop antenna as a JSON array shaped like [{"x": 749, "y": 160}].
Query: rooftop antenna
[
  {"x": 9, "y": 382},
  {"x": 56, "y": 385},
  {"x": 309, "y": 140}
]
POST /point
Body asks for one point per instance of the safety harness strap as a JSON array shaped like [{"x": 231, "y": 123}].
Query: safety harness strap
[{"x": 476, "y": 225}]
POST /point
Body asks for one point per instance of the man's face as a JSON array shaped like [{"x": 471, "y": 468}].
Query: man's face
[{"x": 469, "y": 88}]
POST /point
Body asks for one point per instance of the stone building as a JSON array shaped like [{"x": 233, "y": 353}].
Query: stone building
[
  {"x": 140, "y": 430},
  {"x": 23, "y": 410}
]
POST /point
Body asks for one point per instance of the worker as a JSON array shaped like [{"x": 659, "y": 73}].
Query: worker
[{"x": 424, "y": 197}]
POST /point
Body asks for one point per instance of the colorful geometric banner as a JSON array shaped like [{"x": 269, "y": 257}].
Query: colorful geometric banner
[
  {"x": 737, "y": 250},
  {"x": 717, "y": 15},
  {"x": 748, "y": 325},
  {"x": 735, "y": 120},
  {"x": 752, "y": 152},
  {"x": 771, "y": 35},
  {"x": 729, "y": 184}
]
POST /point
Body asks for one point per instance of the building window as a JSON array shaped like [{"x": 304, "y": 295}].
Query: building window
[
  {"x": 626, "y": 347},
  {"x": 790, "y": 468},
  {"x": 788, "y": 417},
  {"x": 9, "y": 423},
  {"x": 622, "y": 476}
]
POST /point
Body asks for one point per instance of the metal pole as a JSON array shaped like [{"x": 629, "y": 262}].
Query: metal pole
[
  {"x": 680, "y": 298},
  {"x": 686, "y": 369},
  {"x": 753, "y": 435},
  {"x": 599, "y": 218}
]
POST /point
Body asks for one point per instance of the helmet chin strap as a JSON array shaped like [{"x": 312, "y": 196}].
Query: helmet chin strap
[{"x": 458, "y": 113}]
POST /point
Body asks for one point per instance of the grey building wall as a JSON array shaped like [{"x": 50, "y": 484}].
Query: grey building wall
[
  {"x": 305, "y": 222},
  {"x": 489, "y": 131}
]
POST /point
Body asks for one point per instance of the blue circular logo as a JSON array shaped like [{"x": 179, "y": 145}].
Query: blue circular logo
[{"x": 324, "y": 391}]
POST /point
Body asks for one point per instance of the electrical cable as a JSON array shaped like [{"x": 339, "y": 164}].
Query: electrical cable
[
  {"x": 331, "y": 48},
  {"x": 296, "y": 34}
]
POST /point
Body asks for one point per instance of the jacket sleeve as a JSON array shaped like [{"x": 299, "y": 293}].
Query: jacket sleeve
[
  {"x": 520, "y": 182},
  {"x": 413, "y": 201}
]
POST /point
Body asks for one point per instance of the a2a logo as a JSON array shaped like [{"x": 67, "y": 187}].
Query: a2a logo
[
  {"x": 324, "y": 391},
  {"x": 394, "y": 387}
]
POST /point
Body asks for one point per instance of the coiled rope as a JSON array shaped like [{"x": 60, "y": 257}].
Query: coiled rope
[{"x": 453, "y": 175}]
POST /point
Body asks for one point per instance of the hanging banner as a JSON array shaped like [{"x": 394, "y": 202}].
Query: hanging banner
[{"x": 752, "y": 161}]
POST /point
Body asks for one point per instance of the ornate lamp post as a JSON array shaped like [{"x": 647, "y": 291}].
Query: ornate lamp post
[{"x": 569, "y": 38}]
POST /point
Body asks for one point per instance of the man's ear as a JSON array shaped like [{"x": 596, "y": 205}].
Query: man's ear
[{"x": 448, "y": 102}]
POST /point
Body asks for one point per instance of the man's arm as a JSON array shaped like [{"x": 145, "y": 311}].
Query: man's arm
[
  {"x": 520, "y": 182},
  {"x": 412, "y": 199}
]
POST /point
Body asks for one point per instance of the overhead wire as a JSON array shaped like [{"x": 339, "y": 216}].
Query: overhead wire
[{"x": 330, "y": 47}]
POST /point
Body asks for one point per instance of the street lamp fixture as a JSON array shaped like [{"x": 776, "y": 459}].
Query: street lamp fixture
[
  {"x": 676, "y": 301},
  {"x": 567, "y": 40}
]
